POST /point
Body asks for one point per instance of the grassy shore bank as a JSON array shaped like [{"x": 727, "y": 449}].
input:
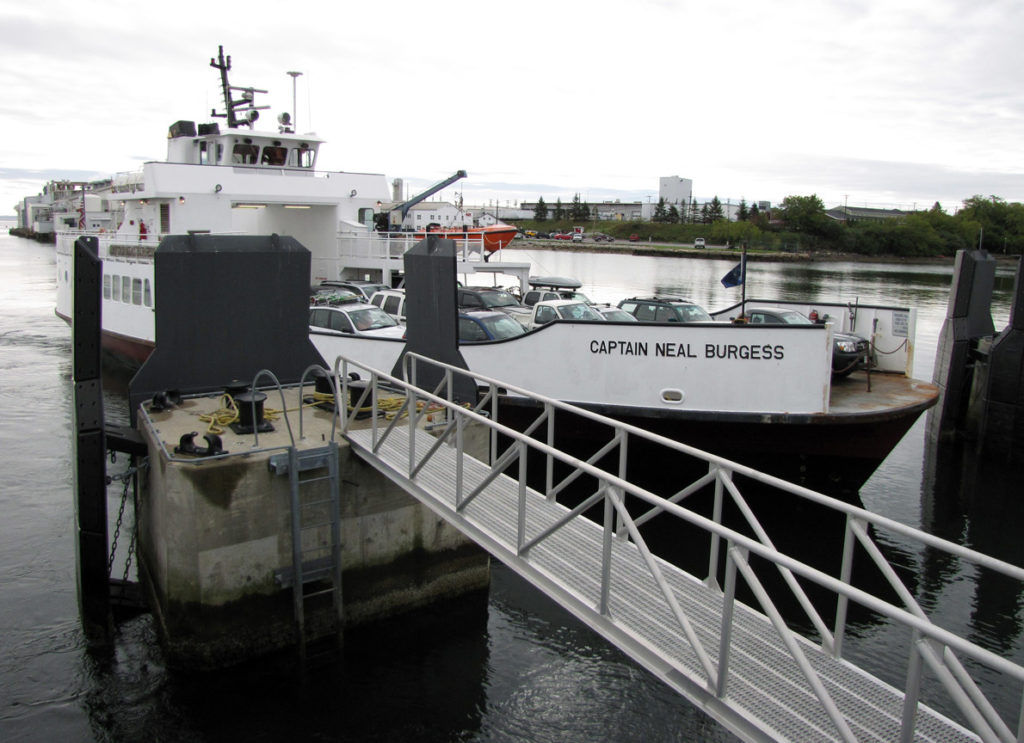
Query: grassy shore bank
[{"x": 688, "y": 251}]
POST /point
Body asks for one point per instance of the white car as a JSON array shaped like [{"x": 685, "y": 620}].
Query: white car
[
  {"x": 356, "y": 318},
  {"x": 698, "y": 242}
]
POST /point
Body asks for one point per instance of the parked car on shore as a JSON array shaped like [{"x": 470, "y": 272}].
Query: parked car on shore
[
  {"x": 698, "y": 243},
  {"x": 634, "y": 238}
]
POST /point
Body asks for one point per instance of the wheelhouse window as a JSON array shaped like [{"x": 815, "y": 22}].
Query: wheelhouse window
[
  {"x": 304, "y": 156},
  {"x": 204, "y": 153},
  {"x": 136, "y": 291},
  {"x": 245, "y": 154},
  {"x": 126, "y": 288},
  {"x": 106, "y": 287},
  {"x": 115, "y": 286},
  {"x": 147, "y": 294},
  {"x": 274, "y": 155}
]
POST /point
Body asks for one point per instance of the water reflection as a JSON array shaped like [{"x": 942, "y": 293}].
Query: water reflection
[{"x": 976, "y": 501}]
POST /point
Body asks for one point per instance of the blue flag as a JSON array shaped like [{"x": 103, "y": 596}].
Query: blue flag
[{"x": 736, "y": 276}]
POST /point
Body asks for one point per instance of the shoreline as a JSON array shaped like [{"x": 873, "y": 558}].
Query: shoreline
[{"x": 680, "y": 251}]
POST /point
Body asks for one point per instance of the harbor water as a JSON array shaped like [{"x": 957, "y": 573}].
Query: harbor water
[{"x": 509, "y": 667}]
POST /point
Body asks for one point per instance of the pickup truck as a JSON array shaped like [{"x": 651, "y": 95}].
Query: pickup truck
[{"x": 562, "y": 309}]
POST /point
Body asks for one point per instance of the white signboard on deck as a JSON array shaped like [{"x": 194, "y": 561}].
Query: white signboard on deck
[{"x": 713, "y": 368}]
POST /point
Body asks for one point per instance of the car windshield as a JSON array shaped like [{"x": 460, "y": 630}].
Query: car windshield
[
  {"x": 497, "y": 299},
  {"x": 503, "y": 327},
  {"x": 790, "y": 317},
  {"x": 794, "y": 318},
  {"x": 618, "y": 315},
  {"x": 692, "y": 313},
  {"x": 371, "y": 318}
]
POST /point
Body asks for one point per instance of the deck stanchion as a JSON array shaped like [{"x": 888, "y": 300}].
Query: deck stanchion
[
  {"x": 521, "y": 518},
  {"x": 494, "y": 417},
  {"x": 911, "y": 690},
  {"x": 459, "y": 462},
  {"x": 842, "y": 602},
  {"x": 606, "y": 548},
  {"x": 623, "y": 437},
  {"x": 716, "y": 516},
  {"x": 549, "y": 475},
  {"x": 725, "y": 635}
]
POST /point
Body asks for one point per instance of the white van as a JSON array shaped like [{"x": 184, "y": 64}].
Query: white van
[
  {"x": 392, "y": 301},
  {"x": 698, "y": 242}
]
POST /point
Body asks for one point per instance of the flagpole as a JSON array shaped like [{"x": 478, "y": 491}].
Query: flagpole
[{"x": 743, "y": 281}]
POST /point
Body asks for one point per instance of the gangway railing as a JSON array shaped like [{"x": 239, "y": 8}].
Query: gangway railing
[{"x": 746, "y": 663}]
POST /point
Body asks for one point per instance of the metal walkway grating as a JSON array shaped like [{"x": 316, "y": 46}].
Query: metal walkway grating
[{"x": 768, "y": 697}]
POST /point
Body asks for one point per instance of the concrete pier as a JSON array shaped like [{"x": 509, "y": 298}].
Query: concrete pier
[{"x": 215, "y": 536}]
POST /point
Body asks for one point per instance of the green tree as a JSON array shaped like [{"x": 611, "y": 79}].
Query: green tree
[
  {"x": 742, "y": 213},
  {"x": 1000, "y": 224},
  {"x": 659, "y": 211},
  {"x": 576, "y": 209},
  {"x": 715, "y": 211},
  {"x": 540, "y": 212},
  {"x": 559, "y": 213},
  {"x": 806, "y": 214},
  {"x": 673, "y": 215}
]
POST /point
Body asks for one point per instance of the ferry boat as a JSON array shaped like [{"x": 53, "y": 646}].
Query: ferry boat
[
  {"x": 761, "y": 395},
  {"x": 230, "y": 178}
]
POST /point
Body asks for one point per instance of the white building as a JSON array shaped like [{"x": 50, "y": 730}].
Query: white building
[
  {"x": 675, "y": 190},
  {"x": 440, "y": 213}
]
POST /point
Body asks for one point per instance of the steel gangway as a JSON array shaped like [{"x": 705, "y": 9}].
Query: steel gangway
[{"x": 746, "y": 663}]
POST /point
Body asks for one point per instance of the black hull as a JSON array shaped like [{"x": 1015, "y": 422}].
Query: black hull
[{"x": 832, "y": 454}]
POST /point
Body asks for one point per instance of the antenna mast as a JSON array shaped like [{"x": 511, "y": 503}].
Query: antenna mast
[{"x": 251, "y": 112}]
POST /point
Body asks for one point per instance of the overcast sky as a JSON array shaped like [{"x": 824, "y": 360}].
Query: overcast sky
[{"x": 891, "y": 103}]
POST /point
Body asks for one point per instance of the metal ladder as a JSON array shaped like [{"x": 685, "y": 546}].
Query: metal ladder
[{"x": 312, "y": 573}]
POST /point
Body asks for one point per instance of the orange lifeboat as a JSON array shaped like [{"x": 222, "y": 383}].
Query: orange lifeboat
[{"x": 495, "y": 237}]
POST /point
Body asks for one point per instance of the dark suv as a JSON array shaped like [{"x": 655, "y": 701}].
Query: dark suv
[
  {"x": 492, "y": 298},
  {"x": 849, "y": 352},
  {"x": 664, "y": 309}
]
